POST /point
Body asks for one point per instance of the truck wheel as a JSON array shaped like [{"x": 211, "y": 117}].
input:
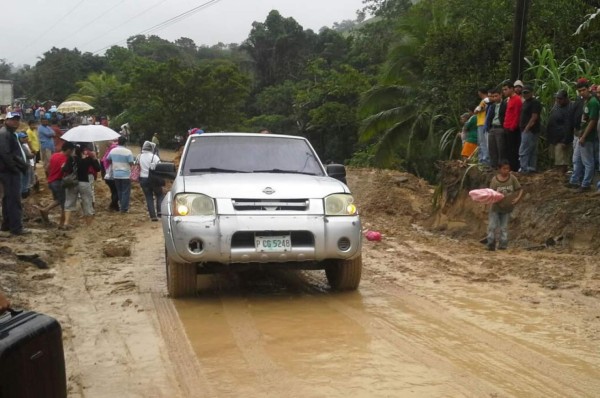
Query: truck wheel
[
  {"x": 181, "y": 279},
  {"x": 344, "y": 274}
]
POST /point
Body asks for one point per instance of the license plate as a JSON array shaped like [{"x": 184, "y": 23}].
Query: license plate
[{"x": 273, "y": 244}]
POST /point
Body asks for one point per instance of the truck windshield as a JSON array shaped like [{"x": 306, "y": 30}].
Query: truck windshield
[{"x": 250, "y": 154}]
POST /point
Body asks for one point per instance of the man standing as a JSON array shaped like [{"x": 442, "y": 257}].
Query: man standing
[
  {"x": 560, "y": 131},
  {"x": 12, "y": 167},
  {"x": 511, "y": 124},
  {"x": 493, "y": 122},
  {"x": 530, "y": 131},
  {"x": 55, "y": 176},
  {"x": 482, "y": 133},
  {"x": 34, "y": 141},
  {"x": 46, "y": 135},
  {"x": 584, "y": 140},
  {"x": 121, "y": 160}
]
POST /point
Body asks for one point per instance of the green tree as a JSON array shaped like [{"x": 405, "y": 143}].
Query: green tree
[
  {"x": 101, "y": 91},
  {"x": 54, "y": 76},
  {"x": 279, "y": 48}
]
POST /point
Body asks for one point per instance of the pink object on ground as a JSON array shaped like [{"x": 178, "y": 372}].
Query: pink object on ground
[
  {"x": 373, "y": 236},
  {"x": 486, "y": 195}
]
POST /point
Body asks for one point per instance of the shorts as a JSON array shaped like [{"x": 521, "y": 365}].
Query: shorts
[
  {"x": 58, "y": 192},
  {"x": 561, "y": 154},
  {"x": 84, "y": 190},
  {"x": 468, "y": 149}
]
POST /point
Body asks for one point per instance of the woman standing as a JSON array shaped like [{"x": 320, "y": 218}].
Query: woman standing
[
  {"x": 153, "y": 189},
  {"x": 108, "y": 178},
  {"x": 79, "y": 165}
]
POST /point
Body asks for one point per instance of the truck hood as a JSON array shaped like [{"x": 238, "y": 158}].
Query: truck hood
[{"x": 255, "y": 186}]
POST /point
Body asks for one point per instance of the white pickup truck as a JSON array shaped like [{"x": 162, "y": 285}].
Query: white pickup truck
[{"x": 266, "y": 200}]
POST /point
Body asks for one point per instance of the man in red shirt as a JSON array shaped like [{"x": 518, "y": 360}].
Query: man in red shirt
[
  {"x": 55, "y": 176},
  {"x": 512, "y": 117}
]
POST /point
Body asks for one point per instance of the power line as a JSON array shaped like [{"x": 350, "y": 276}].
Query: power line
[
  {"x": 123, "y": 23},
  {"x": 21, "y": 49},
  {"x": 90, "y": 23},
  {"x": 168, "y": 22}
]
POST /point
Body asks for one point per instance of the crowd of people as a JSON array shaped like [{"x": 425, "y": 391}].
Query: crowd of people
[
  {"x": 507, "y": 124},
  {"x": 71, "y": 171}
]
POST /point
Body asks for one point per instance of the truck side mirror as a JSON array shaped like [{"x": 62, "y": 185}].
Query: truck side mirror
[
  {"x": 337, "y": 171},
  {"x": 165, "y": 170}
]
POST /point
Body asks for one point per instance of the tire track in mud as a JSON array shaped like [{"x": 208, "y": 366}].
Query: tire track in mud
[
  {"x": 273, "y": 379},
  {"x": 190, "y": 377},
  {"x": 518, "y": 369}
]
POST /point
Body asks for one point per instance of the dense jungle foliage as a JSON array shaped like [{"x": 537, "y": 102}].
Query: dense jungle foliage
[{"x": 383, "y": 90}]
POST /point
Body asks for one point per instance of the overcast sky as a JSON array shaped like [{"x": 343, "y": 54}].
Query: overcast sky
[{"x": 35, "y": 26}]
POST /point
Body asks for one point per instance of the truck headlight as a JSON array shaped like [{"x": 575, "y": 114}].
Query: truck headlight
[
  {"x": 340, "y": 205},
  {"x": 193, "y": 204}
]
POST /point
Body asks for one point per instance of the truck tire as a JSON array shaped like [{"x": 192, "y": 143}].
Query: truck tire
[
  {"x": 181, "y": 279},
  {"x": 344, "y": 274}
]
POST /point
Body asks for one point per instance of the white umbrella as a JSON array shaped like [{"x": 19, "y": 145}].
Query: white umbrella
[
  {"x": 74, "y": 107},
  {"x": 90, "y": 133}
]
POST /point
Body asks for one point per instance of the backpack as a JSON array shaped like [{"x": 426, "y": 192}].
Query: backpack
[{"x": 70, "y": 180}]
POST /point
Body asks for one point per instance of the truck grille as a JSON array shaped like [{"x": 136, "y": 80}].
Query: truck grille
[
  {"x": 245, "y": 239},
  {"x": 270, "y": 204}
]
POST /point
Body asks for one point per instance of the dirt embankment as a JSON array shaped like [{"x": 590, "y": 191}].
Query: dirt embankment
[{"x": 550, "y": 214}]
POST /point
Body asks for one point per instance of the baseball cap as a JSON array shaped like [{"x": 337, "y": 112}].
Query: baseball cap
[
  {"x": 10, "y": 115},
  {"x": 21, "y": 135},
  {"x": 518, "y": 83},
  {"x": 527, "y": 89},
  {"x": 561, "y": 94}
]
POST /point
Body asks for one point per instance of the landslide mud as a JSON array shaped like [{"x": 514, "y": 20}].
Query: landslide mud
[{"x": 434, "y": 316}]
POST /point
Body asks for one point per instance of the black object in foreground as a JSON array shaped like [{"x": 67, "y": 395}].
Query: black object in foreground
[{"x": 32, "y": 361}]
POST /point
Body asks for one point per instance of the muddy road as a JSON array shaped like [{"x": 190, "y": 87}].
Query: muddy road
[{"x": 434, "y": 317}]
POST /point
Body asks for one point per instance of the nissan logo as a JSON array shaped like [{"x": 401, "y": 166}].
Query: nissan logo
[{"x": 269, "y": 191}]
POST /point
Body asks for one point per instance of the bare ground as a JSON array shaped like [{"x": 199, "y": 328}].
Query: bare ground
[{"x": 436, "y": 315}]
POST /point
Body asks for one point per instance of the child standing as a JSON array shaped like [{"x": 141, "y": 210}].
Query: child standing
[{"x": 508, "y": 185}]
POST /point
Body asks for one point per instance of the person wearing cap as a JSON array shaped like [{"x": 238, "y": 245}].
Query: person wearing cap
[
  {"x": 530, "y": 131},
  {"x": 585, "y": 140},
  {"x": 559, "y": 132},
  {"x": 512, "y": 118},
  {"x": 518, "y": 85},
  {"x": 12, "y": 166}
]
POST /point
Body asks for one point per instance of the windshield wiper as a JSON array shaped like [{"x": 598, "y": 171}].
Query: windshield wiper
[
  {"x": 280, "y": 171},
  {"x": 216, "y": 170}
]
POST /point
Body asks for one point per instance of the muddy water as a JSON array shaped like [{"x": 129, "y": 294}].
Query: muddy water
[{"x": 285, "y": 334}]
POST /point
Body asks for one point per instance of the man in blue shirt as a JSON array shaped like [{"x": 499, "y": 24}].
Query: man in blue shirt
[{"x": 46, "y": 135}]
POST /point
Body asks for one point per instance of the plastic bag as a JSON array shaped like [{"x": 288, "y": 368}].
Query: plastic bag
[
  {"x": 486, "y": 195},
  {"x": 373, "y": 236}
]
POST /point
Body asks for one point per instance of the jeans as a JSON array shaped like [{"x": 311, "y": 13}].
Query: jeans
[
  {"x": 496, "y": 145},
  {"x": 114, "y": 195},
  {"x": 513, "y": 143},
  {"x": 583, "y": 163},
  {"x": 12, "y": 212},
  {"x": 528, "y": 151},
  {"x": 498, "y": 221},
  {"x": 482, "y": 142},
  {"x": 152, "y": 193},
  {"x": 123, "y": 186}
]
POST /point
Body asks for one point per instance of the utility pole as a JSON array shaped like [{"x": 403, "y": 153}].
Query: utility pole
[{"x": 519, "y": 33}]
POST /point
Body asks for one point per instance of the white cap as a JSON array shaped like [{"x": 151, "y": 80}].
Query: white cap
[{"x": 518, "y": 83}]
